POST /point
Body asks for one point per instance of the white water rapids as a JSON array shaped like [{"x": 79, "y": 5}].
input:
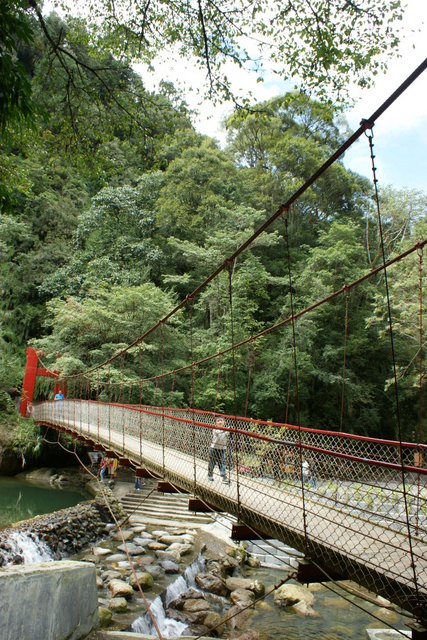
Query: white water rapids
[
  {"x": 167, "y": 626},
  {"x": 28, "y": 547}
]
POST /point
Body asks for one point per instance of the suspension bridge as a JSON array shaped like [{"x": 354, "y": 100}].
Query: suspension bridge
[
  {"x": 361, "y": 515},
  {"x": 354, "y": 506}
]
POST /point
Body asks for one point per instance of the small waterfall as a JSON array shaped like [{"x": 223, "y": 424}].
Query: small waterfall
[
  {"x": 175, "y": 589},
  {"x": 169, "y": 627},
  {"x": 198, "y": 566},
  {"x": 28, "y": 547}
]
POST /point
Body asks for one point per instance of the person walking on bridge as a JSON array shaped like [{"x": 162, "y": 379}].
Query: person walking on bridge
[
  {"x": 308, "y": 473},
  {"x": 59, "y": 397},
  {"x": 217, "y": 450}
]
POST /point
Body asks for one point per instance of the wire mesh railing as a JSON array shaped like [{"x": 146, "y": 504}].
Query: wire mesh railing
[{"x": 347, "y": 500}]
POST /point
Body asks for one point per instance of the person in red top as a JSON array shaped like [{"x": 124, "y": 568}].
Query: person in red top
[{"x": 103, "y": 468}]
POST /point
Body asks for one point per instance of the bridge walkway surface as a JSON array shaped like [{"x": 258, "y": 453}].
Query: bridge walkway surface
[{"x": 386, "y": 555}]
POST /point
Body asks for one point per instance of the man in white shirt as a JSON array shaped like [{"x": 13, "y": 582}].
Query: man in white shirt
[{"x": 218, "y": 449}]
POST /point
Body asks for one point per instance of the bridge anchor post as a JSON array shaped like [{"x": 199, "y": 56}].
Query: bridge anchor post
[
  {"x": 419, "y": 631},
  {"x": 201, "y": 506},
  {"x": 308, "y": 572},
  {"x": 168, "y": 487},
  {"x": 240, "y": 531}
]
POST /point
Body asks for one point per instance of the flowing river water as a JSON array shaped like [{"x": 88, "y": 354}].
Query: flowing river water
[{"x": 338, "y": 615}]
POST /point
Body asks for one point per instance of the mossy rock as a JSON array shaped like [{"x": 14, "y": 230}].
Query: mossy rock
[
  {"x": 105, "y": 616},
  {"x": 145, "y": 579}
]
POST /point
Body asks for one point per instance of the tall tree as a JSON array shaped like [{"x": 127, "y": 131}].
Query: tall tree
[
  {"x": 400, "y": 211},
  {"x": 85, "y": 333},
  {"x": 74, "y": 148},
  {"x": 281, "y": 145},
  {"x": 406, "y": 290},
  {"x": 199, "y": 182},
  {"x": 113, "y": 244}
]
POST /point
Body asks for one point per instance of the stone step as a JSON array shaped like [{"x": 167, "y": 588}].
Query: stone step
[
  {"x": 172, "y": 498},
  {"x": 158, "y": 507},
  {"x": 153, "y": 511},
  {"x": 161, "y": 514},
  {"x": 139, "y": 498},
  {"x": 275, "y": 553}
]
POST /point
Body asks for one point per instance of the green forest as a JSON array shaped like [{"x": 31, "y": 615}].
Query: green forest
[{"x": 114, "y": 209}]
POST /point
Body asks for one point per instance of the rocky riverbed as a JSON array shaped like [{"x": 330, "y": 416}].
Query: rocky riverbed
[
  {"x": 204, "y": 586},
  {"x": 195, "y": 582},
  {"x": 198, "y": 580}
]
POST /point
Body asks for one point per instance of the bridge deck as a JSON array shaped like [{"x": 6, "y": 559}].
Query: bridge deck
[{"x": 370, "y": 551}]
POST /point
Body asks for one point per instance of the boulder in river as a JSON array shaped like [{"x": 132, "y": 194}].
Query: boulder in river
[
  {"x": 169, "y": 567},
  {"x": 156, "y": 571},
  {"x": 289, "y": 595},
  {"x": 214, "y": 621},
  {"x": 173, "y": 556},
  {"x": 120, "y": 588},
  {"x": 144, "y": 579},
  {"x": 119, "y": 605},
  {"x": 256, "y": 586},
  {"x": 132, "y": 549},
  {"x": 237, "y": 618},
  {"x": 105, "y": 616},
  {"x": 242, "y": 597},
  {"x": 210, "y": 582}
]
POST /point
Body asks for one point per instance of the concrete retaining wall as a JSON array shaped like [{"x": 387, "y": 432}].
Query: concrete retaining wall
[{"x": 49, "y": 601}]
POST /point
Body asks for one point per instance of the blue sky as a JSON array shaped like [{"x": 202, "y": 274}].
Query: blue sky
[
  {"x": 400, "y": 134},
  {"x": 401, "y": 157}
]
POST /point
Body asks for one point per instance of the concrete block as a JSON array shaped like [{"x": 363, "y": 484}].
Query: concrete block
[{"x": 49, "y": 600}]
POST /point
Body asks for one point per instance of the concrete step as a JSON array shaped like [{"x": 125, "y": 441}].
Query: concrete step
[
  {"x": 158, "y": 514},
  {"x": 274, "y": 553},
  {"x": 163, "y": 504},
  {"x": 154, "y": 506},
  {"x": 161, "y": 498},
  {"x": 177, "y": 515}
]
